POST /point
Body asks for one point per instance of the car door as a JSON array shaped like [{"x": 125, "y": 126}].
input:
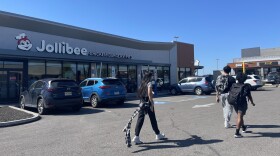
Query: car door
[
  {"x": 183, "y": 84},
  {"x": 27, "y": 95},
  {"x": 36, "y": 92},
  {"x": 191, "y": 84},
  {"x": 87, "y": 89}
]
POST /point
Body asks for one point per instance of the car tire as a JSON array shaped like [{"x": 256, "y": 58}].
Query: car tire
[
  {"x": 41, "y": 107},
  {"x": 94, "y": 101},
  {"x": 22, "y": 103},
  {"x": 174, "y": 91},
  {"x": 198, "y": 91}
]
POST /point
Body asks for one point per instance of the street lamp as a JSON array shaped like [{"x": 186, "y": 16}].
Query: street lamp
[
  {"x": 217, "y": 64},
  {"x": 176, "y": 37}
]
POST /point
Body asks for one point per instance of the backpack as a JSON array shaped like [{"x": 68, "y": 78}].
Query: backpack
[
  {"x": 222, "y": 83},
  {"x": 236, "y": 94}
]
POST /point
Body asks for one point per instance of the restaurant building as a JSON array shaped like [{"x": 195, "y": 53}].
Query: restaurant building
[
  {"x": 258, "y": 61},
  {"x": 33, "y": 49}
]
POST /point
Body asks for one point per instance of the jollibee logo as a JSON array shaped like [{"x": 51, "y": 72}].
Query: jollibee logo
[{"x": 23, "y": 42}]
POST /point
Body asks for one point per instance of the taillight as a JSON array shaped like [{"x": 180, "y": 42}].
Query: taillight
[
  {"x": 51, "y": 90},
  {"x": 206, "y": 82},
  {"x": 104, "y": 87},
  {"x": 255, "y": 81}
]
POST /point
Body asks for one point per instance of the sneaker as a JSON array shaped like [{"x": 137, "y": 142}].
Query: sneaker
[
  {"x": 160, "y": 136},
  {"x": 238, "y": 136},
  {"x": 227, "y": 125},
  {"x": 244, "y": 130},
  {"x": 136, "y": 140}
]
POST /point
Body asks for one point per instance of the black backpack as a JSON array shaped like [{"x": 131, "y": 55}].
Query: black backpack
[{"x": 236, "y": 94}]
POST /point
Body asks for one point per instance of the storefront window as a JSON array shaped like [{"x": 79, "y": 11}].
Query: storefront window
[
  {"x": 145, "y": 69},
  {"x": 166, "y": 73},
  {"x": 36, "y": 71},
  {"x": 104, "y": 72},
  {"x": 82, "y": 71},
  {"x": 122, "y": 74},
  {"x": 69, "y": 70},
  {"x": 11, "y": 64},
  {"x": 93, "y": 70},
  {"x": 53, "y": 69},
  {"x": 1, "y": 64},
  {"x": 112, "y": 70},
  {"x": 132, "y": 79}
]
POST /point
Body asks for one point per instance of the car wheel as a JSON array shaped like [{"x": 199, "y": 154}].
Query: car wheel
[
  {"x": 40, "y": 107},
  {"x": 198, "y": 91},
  {"x": 94, "y": 101},
  {"x": 173, "y": 91},
  {"x": 22, "y": 103}
]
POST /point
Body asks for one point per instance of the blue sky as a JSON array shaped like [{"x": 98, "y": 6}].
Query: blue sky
[{"x": 219, "y": 29}]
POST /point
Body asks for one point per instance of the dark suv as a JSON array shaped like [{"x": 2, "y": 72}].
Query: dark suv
[
  {"x": 272, "y": 78},
  {"x": 52, "y": 93},
  {"x": 195, "y": 84}
]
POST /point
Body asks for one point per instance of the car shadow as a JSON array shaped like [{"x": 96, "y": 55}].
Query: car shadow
[
  {"x": 116, "y": 106},
  {"x": 194, "y": 140},
  {"x": 69, "y": 111}
]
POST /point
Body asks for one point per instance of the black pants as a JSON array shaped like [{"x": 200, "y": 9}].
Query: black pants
[{"x": 141, "y": 118}]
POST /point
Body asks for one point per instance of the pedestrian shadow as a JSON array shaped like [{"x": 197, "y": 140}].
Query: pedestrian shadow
[
  {"x": 194, "y": 140},
  {"x": 264, "y": 126},
  {"x": 264, "y": 134}
]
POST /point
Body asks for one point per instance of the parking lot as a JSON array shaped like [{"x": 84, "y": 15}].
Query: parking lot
[{"x": 193, "y": 125}]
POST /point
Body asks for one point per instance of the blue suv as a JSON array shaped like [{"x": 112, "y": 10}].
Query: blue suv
[{"x": 100, "y": 90}]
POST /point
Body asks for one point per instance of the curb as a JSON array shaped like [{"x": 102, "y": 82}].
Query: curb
[{"x": 22, "y": 121}]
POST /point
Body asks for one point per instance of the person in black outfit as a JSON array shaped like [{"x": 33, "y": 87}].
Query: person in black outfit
[
  {"x": 242, "y": 106},
  {"x": 145, "y": 93}
]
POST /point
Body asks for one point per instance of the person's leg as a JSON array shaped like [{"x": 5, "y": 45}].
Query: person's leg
[
  {"x": 153, "y": 120},
  {"x": 140, "y": 121},
  {"x": 239, "y": 123},
  {"x": 227, "y": 110}
]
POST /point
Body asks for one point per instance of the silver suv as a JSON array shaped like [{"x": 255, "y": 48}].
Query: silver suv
[{"x": 195, "y": 84}]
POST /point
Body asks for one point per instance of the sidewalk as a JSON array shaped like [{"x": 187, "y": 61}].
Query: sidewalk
[{"x": 11, "y": 116}]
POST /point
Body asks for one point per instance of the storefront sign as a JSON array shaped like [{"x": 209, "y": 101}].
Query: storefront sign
[{"x": 62, "y": 48}]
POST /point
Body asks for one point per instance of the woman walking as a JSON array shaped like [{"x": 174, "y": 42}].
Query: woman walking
[{"x": 145, "y": 93}]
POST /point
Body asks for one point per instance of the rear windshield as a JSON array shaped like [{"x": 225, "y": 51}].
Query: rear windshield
[
  {"x": 63, "y": 83},
  {"x": 112, "y": 82},
  {"x": 208, "y": 79}
]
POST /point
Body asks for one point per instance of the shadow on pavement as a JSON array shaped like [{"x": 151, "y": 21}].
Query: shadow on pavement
[
  {"x": 176, "y": 143},
  {"x": 264, "y": 126},
  {"x": 264, "y": 134},
  {"x": 69, "y": 111}
]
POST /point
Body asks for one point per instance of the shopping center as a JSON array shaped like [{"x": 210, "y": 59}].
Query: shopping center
[{"x": 33, "y": 49}]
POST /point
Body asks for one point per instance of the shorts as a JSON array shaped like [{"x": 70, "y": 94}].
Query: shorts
[{"x": 241, "y": 108}]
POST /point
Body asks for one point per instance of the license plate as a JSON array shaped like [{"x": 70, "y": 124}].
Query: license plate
[
  {"x": 116, "y": 93},
  {"x": 68, "y": 93}
]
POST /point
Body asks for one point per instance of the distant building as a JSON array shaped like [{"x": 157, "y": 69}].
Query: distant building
[{"x": 257, "y": 61}]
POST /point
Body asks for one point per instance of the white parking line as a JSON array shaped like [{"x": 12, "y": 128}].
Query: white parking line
[{"x": 205, "y": 105}]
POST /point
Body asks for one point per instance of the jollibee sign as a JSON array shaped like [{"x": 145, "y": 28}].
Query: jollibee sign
[{"x": 25, "y": 44}]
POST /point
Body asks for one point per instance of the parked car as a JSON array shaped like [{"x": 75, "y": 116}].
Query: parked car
[
  {"x": 100, "y": 90},
  {"x": 254, "y": 81},
  {"x": 272, "y": 78},
  {"x": 51, "y": 93},
  {"x": 196, "y": 84}
]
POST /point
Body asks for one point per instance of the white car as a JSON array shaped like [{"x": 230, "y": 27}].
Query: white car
[{"x": 254, "y": 81}]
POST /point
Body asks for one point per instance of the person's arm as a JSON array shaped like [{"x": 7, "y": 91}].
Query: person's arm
[
  {"x": 150, "y": 95},
  {"x": 250, "y": 98}
]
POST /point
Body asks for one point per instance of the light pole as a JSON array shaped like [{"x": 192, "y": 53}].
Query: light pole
[
  {"x": 217, "y": 64},
  {"x": 176, "y": 37}
]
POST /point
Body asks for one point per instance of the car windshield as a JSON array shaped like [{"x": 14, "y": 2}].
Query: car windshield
[
  {"x": 208, "y": 79},
  {"x": 112, "y": 82},
  {"x": 63, "y": 83}
]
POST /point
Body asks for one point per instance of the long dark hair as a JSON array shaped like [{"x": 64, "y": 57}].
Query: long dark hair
[{"x": 143, "y": 89}]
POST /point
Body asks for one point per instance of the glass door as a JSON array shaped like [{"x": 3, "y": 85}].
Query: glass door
[{"x": 10, "y": 85}]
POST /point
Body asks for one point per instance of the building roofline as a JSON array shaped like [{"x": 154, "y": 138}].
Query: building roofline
[{"x": 54, "y": 28}]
